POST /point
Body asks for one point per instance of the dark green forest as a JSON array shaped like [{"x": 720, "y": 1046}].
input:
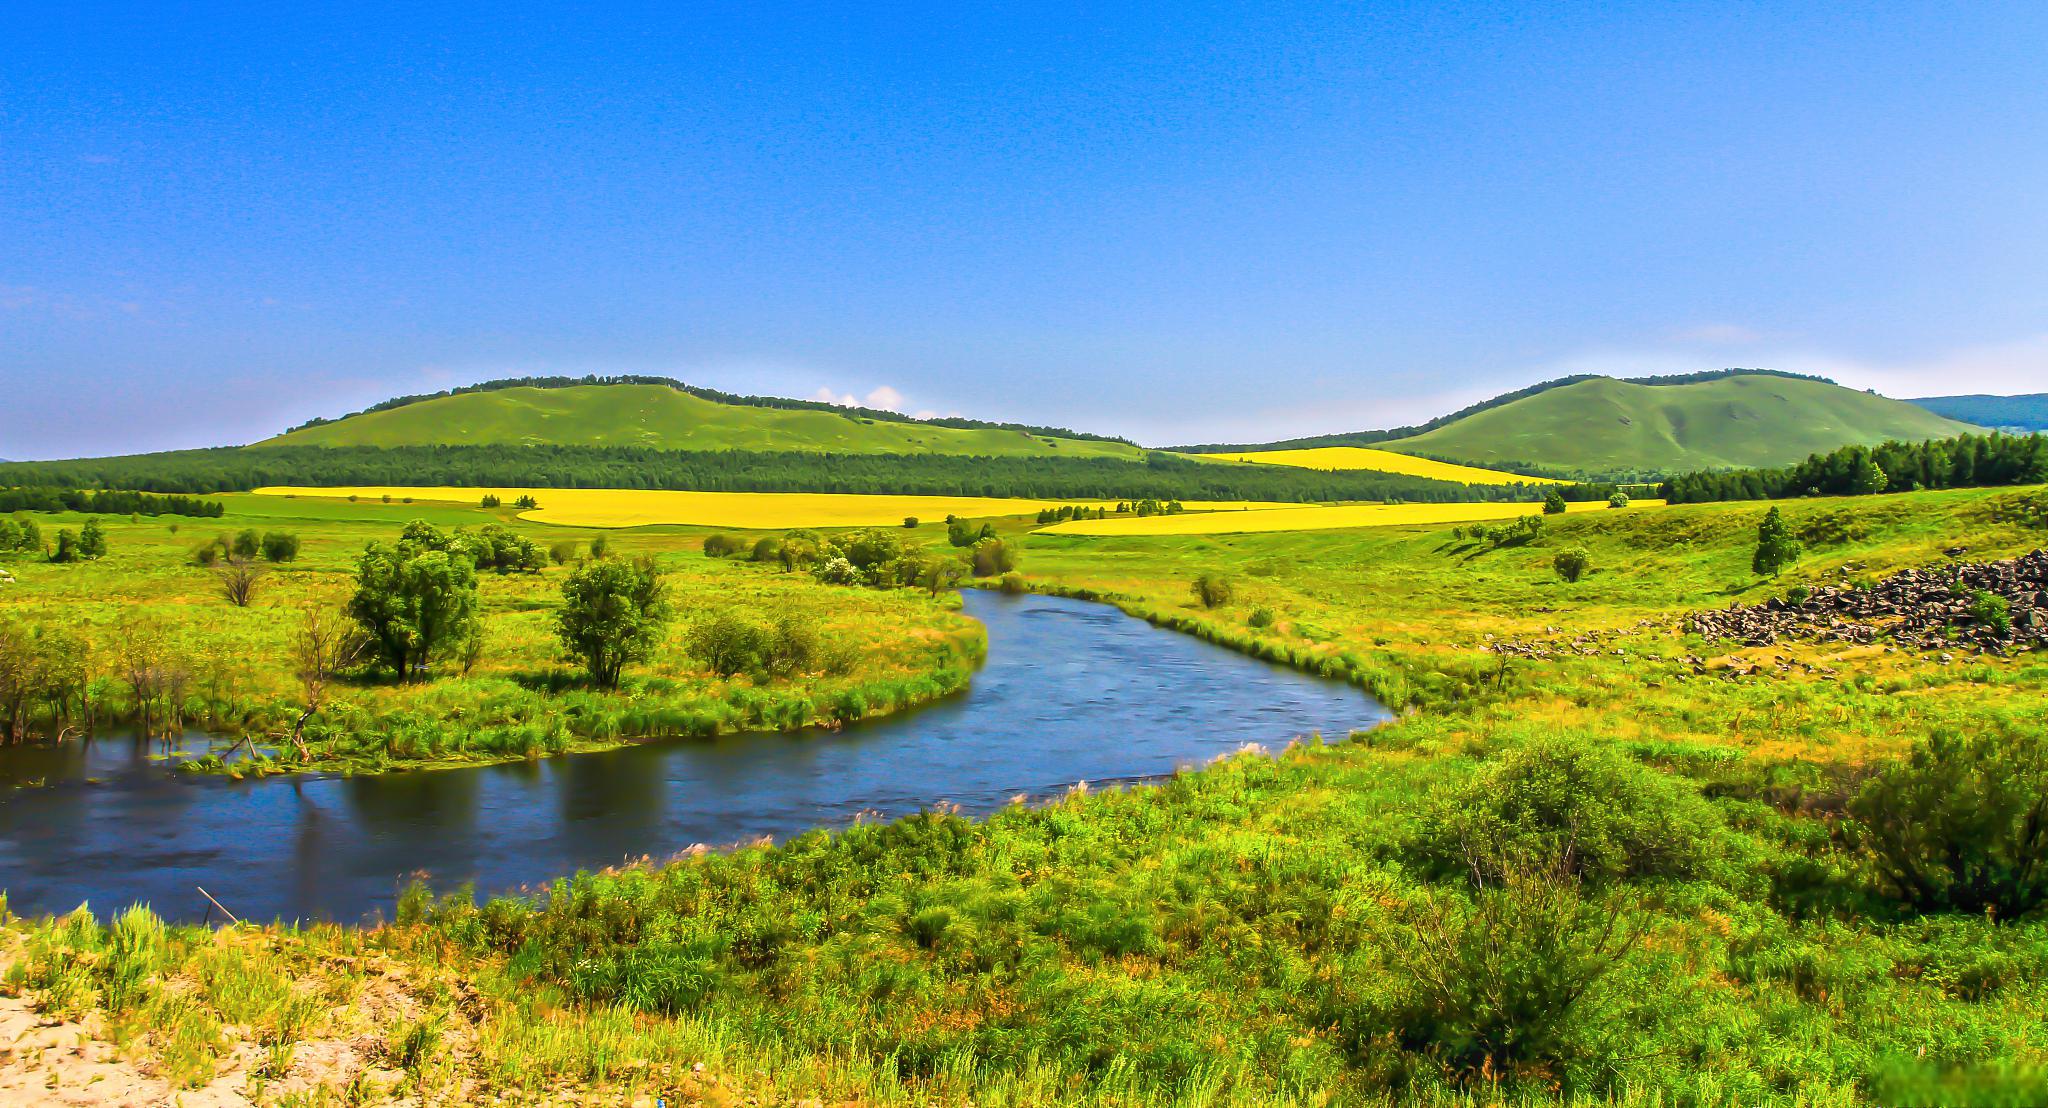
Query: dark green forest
[{"x": 1966, "y": 461}]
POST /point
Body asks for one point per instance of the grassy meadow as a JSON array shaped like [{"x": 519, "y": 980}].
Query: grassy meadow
[
  {"x": 231, "y": 672},
  {"x": 1345, "y": 923}
]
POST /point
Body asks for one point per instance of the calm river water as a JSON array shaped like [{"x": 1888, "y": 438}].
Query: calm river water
[{"x": 1072, "y": 692}]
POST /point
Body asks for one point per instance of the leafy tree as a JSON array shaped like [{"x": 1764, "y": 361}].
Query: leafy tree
[
  {"x": 964, "y": 533},
  {"x": 1866, "y": 477},
  {"x": 1214, "y": 590},
  {"x": 246, "y": 545},
  {"x": 562, "y": 551},
  {"x": 1618, "y": 500},
  {"x": 612, "y": 614},
  {"x": 1775, "y": 546},
  {"x": 1962, "y": 824},
  {"x": 1571, "y": 564},
  {"x": 416, "y": 600},
  {"x": 92, "y": 542},
  {"x": 1553, "y": 502},
  {"x": 794, "y": 645},
  {"x": 910, "y": 522},
  {"x": 767, "y": 549},
  {"x": 722, "y": 545},
  {"x": 67, "y": 546},
  {"x": 491, "y": 500},
  {"x": 600, "y": 546},
  {"x": 280, "y": 546}
]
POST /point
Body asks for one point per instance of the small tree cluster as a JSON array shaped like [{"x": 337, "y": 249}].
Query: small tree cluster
[
  {"x": 729, "y": 644},
  {"x": 20, "y": 535},
  {"x": 417, "y": 600}
]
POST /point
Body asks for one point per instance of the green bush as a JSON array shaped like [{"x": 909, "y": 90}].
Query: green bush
[
  {"x": 1213, "y": 590},
  {"x": 990, "y": 557},
  {"x": 1572, "y": 804},
  {"x": 1961, "y": 825},
  {"x": 1991, "y": 610},
  {"x": 1553, "y": 502},
  {"x": 1509, "y": 984},
  {"x": 723, "y": 545},
  {"x": 1261, "y": 618},
  {"x": 1571, "y": 564},
  {"x": 280, "y": 546}
]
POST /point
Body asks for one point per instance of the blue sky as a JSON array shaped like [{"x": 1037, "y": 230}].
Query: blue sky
[{"x": 1180, "y": 222}]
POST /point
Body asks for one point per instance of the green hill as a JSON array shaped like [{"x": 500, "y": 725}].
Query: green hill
[
  {"x": 1604, "y": 425},
  {"x": 670, "y": 416}
]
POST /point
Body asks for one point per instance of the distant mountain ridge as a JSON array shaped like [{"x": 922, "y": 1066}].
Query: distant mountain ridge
[{"x": 2026, "y": 412}]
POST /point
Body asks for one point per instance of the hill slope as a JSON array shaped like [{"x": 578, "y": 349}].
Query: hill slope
[
  {"x": 2022, "y": 413},
  {"x": 1604, "y": 425},
  {"x": 667, "y": 418}
]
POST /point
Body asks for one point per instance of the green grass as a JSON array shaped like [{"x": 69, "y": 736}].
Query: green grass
[
  {"x": 1611, "y": 426},
  {"x": 1266, "y": 931},
  {"x": 658, "y": 417}
]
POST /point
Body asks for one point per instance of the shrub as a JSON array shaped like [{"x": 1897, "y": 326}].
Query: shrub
[
  {"x": 280, "y": 546},
  {"x": 246, "y": 545},
  {"x": 206, "y": 553},
  {"x": 1961, "y": 825},
  {"x": 1991, "y": 610},
  {"x": 1571, "y": 564},
  {"x": 910, "y": 522},
  {"x": 767, "y": 549},
  {"x": 1618, "y": 500},
  {"x": 1553, "y": 502},
  {"x": 600, "y": 546},
  {"x": 723, "y": 545},
  {"x": 794, "y": 645},
  {"x": 526, "y": 503},
  {"x": 562, "y": 551},
  {"x": 66, "y": 549},
  {"x": 1570, "y": 804},
  {"x": 1213, "y": 590},
  {"x": 491, "y": 500},
  {"x": 728, "y": 643},
  {"x": 1013, "y": 584},
  {"x": 1508, "y": 983},
  {"x": 1261, "y": 618},
  {"x": 991, "y": 556}
]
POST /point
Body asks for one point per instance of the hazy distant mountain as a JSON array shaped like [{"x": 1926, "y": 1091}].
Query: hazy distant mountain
[{"x": 2013, "y": 413}]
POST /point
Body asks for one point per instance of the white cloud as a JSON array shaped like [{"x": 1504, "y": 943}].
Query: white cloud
[{"x": 885, "y": 398}]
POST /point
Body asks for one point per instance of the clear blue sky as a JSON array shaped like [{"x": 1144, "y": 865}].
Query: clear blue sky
[{"x": 1176, "y": 221}]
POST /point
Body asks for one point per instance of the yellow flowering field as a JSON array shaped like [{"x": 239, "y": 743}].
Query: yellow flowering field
[
  {"x": 768, "y": 510},
  {"x": 1385, "y": 461},
  {"x": 1315, "y": 518}
]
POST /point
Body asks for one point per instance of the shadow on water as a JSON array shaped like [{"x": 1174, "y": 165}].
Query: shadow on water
[{"x": 1071, "y": 692}]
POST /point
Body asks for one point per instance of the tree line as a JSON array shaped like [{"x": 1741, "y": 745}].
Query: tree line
[
  {"x": 1160, "y": 477},
  {"x": 116, "y": 502},
  {"x": 1966, "y": 461}
]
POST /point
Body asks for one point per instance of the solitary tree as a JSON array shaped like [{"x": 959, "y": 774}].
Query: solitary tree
[
  {"x": 280, "y": 546},
  {"x": 1775, "y": 546},
  {"x": 238, "y": 580},
  {"x": 1553, "y": 502},
  {"x": 1571, "y": 564},
  {"x": 612, "y": 613},
  {"x": 67, "y": 546},
  {"x": 1213, "y": 590},
  {"x": 415, "y": 600}
]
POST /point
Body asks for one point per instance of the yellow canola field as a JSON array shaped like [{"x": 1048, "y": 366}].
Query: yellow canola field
[
  {"x": 1385, "y": 461},
  {"x": 764, "y": 510},
  {"x": 1315, "y": 519}
]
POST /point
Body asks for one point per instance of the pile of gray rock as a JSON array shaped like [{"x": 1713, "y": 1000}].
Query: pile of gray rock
[{"x": 1937, "y": 608}]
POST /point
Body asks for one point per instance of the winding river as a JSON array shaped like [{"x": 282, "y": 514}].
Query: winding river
[{"x": 1071, "y": 692}]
